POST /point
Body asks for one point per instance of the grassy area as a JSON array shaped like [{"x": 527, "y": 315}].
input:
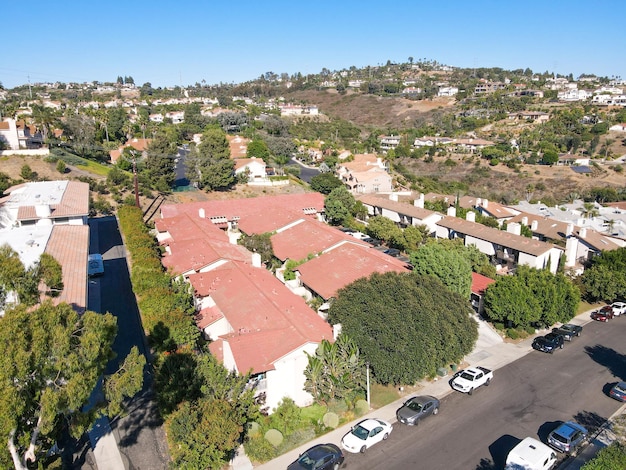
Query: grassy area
[
  {"x": 585, "y": 306},
  {"x": 93, "y": 167},
  {"x": 313, "y": 413},
  {"x": 382, "y": 395}
]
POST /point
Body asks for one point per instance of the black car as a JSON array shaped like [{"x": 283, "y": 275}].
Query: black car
[
  {"x": 566, "y": 333},
  {"x": 372, "y": 241},
  {"x": 548, "y": 343},
  {"x": 392, "y": 252},
  {"x": 575, "y": 330},
  {"x": 319, "y": 457}
]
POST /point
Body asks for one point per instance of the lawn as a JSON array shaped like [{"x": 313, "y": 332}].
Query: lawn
[{"x": 382, "y": 395}]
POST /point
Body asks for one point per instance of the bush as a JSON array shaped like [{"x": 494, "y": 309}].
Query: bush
[
  {"x": 259, "y": 450},
  {"x": 254, "y": 429},
  {"x": 338, "y": 407},
  {"x": 331, "y": 420},
  {"x": 494, "y": 162},
  {"x": 512, "y": 333},
  {"x": 361, "y": 407},
  {"x": 274, "y": 437}
]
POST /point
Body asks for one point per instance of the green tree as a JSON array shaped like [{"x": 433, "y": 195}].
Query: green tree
[
  {"x": 405, "y": 325},
  {"x": 608, "y": 458},
  {"x": 27, "y": 173},
  {"x": 51, "y": 360},
  {"x": 325, "y": 182},
  {"x": 61, "y": 167},
  {"x": 383, "y": 228},
  {"x": 339, "y": 205},
  {"x": 550, "y": 157},
  {"x": 258, "y": 148},
  {"x": 335, "y": 371},
  {"x": 159, "y": 164},
  {"x": 82, "y": 132},
  {"x": 448, "y": 265},
  {"x": 209, "y": 165},
  {"x": 532, "y": 297},
  {"x": 259, "y": 243}
]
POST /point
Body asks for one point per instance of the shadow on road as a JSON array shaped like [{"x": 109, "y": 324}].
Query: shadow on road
[
  {"x": 614, "y": 361},
  {"x": 590, "y": 420},
  {"x": 499, "y": 451},
  {"x": 546, "y": 428}
]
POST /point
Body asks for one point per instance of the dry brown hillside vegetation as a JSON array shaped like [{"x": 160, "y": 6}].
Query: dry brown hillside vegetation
[{"x": 370, "y": 110}]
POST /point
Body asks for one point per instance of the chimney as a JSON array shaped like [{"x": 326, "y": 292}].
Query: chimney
[
  {"x": 533, "y": 225},
  {"x": 569, "y": 230},
  {"x": 485, "y": 203},
  {"x": 582, "y": 233},
  {"x": 452, "y": 211},
  {"x": 514, "y": 228},
  {"x": 524, "y": 220},
  {"x": 256, "y": 260},
  {"x": 201, "y": 213},
  {"x": 470, "y": 216},
  {"x": 42, "y": 210},
  {"x": 478, "y": 202},
  {"x": 419, "y": 202},
  {"x": 571, "y": 246},
  {"x": 393, "y": 197}
]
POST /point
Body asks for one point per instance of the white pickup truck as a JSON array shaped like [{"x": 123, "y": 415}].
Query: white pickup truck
[{"x": 468, "y": 380}]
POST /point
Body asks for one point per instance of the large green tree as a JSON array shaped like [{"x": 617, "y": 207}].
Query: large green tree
[
  {"x": 532, "y": 297},
  {"x": 325, "y": 182},
  {"x": 209, "y": 165},
  {"x": 446, "y": 263},
  {"x": 405, "y": 325},
  {"x": 51, "y": 358},
  {"x": 605, "y": 279},
  {"x": 159, "y": 165},
  {"x": 339, "y": 206}
]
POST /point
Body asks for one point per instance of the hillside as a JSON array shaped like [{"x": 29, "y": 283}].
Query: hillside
[{"x": 370, "y": 111}]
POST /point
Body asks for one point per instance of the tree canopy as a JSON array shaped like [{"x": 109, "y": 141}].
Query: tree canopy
[
  {"x": 325, "y": 182},
  {"x": 606, "y": 278},
  {"x": 50, "y": 361},
  {"x": 449, "y": 265},
  {"x": 532, "y": 297},
  {"x": 339, "y": 206},
  {"x": 209, "y": 165},
  {"x": 405, "y": 325}
]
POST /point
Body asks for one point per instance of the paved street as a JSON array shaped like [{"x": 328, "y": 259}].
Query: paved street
[{"x": 530, "y": 394}]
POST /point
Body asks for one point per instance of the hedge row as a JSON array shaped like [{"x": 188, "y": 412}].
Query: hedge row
[{"x": 152, "y": 285}]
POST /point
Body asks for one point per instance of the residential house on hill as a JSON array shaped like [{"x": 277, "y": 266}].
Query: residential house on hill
[
  {"x": 256, "y": 325},
  {"x": 366, "y": 174},
  {"x": 50, "y": 217},
  {"x": 487, "y": 208},
  {"x": 504, "y": 249},
  {"x": 19, "y": 135},
  {"x": 138, "y": 145},
  {"x": 403, "y": 213},
  {"x": 255, "y": 168}
]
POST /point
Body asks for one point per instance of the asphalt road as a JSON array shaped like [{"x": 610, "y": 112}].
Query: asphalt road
[
  {"x": 139, "y": 435},
  {"x": 306, "y": 173},
  {"x": 529, "y": 397}
]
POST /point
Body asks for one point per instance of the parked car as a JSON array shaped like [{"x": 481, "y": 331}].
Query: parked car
[
  {"x": 469, "y": 379},
  {"x": 347, "y": 229},
  {"x": 618, "y": 391},
  {"x": 603, "y": 314},
  {"x": 619, "y": 308},
  {"x": 373, "y": 241},
  {"x": 568, "y": 437},
  {"x": 365, "y": 434},
  {"x": 548, "y": 343},
  {"x": 95, "y": 265},
  {"x": 576, "y": 330},
  {"x": 417, "y": 408},
  {"x": 567, "y": 333},
  {"x": 530, "y": 454},
  {"x": 392, "y": 252},
  {"x": 321, "y": 456}
]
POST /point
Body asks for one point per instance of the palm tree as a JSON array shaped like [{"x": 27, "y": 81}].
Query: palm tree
[{"x": 589, "y": 210}]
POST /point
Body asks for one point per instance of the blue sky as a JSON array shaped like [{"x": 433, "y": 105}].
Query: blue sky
[{"x": 186, "y": 41}]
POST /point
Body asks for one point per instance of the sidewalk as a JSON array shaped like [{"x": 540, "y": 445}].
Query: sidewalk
[{"x": 487, "y": 353}]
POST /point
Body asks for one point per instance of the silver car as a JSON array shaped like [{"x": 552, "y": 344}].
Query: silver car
[
  {"x": 568, "y": 437},
  {"x": 417, "y": 408}
]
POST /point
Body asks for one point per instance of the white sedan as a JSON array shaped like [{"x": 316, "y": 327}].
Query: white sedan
[
  {"x": 365, "y": 434},
  {"x": 619, "y": 308}
]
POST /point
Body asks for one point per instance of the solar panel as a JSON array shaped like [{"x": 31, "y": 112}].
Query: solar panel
[{"x": 581, "y": 169}]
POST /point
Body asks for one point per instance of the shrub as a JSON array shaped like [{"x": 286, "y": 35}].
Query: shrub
[
  {"x": 259, "y": 450},
  {"x": 512, "y": 333},
  {"x": 274, "y": 437},
  {"x": 254, "y": 429},
  {"x": 338, "y": 407},
  {"x": 361, "y": 407},
  {"x": 331, "y": 420},
  {"x": 494, "y": 162}
]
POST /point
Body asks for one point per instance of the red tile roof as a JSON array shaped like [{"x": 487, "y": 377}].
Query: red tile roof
[
  {"x": 480, "y": 283},
  {"x": 252, "y": 213},
  {"x": 69, "y": 245},
  {"x": 343, "y": 265},
  {"x": 308, "y": 237},
  {"x": 267, "y": 320},
  {"x": 195, "y": 254}
]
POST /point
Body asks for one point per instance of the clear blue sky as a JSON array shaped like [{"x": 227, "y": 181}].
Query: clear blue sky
[{"x": 182, "y": 42}]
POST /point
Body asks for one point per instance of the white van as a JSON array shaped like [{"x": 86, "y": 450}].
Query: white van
[
  {"x": 95, "y": 265},
  {"x": 530, "y": 454}
]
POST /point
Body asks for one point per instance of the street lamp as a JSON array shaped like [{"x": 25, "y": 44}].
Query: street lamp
[{"x": 367, "y": 378}]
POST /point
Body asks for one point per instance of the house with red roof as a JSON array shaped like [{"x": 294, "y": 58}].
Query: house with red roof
[
  {"x": 139, "y": 145},
  {"x": 479, "y": 286},
  {"x": 256, "y": 325},
  {"x": 365, "y": 174}
]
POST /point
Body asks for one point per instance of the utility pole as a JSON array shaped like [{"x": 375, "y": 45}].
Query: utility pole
[
  {"x": 367, "y": 364},
  {"x": 30, "y": 91}
]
